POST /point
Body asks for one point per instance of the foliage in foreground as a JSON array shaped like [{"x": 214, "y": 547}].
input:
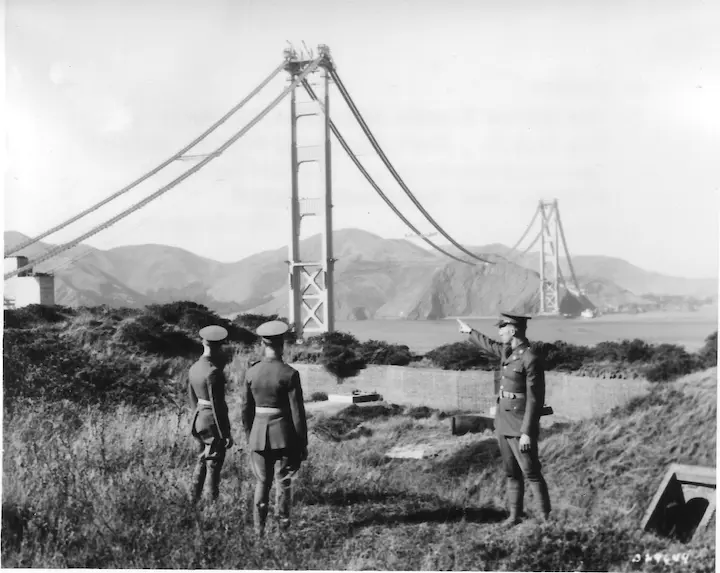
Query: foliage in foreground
[
  {"x": 109, "y": 356},
  {"x": 87, "y": 489}
]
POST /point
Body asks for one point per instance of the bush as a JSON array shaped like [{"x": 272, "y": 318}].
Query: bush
[
  {"x": 252, "y": 321},
  {"x": 43, "y": 365},
  {"x": 341, "y": 361},
  {"x": 339, "y": 352},
  {"x": 35, "y": 315},
  {"x": 460, "y": 356},
  {"x": 192, "y": 317},
  {"x": 380, "y": 352},
  {"x": 709, "y": 353},
  {"x": 669, "y": 362},
  {"x": 318, "y": 397},
  {"x": 562, "y": 356},
  {"x": 148, "y": 333}
]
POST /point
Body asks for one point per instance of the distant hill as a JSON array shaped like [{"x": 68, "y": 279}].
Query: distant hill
[
  {"x": 374, "y": 278},
  {"x": 618, "y": 271}
]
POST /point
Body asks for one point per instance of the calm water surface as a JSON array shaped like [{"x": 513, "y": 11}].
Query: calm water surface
[{"x": 685, "y": 328}]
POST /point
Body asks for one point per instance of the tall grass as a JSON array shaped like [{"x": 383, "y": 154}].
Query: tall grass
[{"x": 86, "y": 488}]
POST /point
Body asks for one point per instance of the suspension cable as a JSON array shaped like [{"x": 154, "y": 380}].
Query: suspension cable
[
  {"x": 527, "y": 230},
  {"x": 70, "y": 261},
  {"x": 149, "y": 174},
  {"x": 530, "y": 246},
  {"x": 386, "y": 161},
  {"x": 309, "y": 69},
  {"x": 370, "y": 180}
]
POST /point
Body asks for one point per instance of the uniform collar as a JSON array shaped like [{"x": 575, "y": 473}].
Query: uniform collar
[{"x": 273, "y": 359}]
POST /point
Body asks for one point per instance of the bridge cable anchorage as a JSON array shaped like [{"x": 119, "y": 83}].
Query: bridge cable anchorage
[
  {"x": 370, "y": 180},
  {"x": 311, "y": 67},
  {"x": 177, "y": 156},
  {"x": 386, "y": 161}
]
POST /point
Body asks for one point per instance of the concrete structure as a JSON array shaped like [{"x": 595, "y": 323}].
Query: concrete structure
[
  {"x": 27, "y": 287},
  {"x": 684, "y": 503},
  {"x": 571, "y": 397}
]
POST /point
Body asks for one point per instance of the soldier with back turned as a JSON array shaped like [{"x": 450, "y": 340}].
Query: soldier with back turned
[
  {"x": 275, "y": 425},
  {"x": 517, "y": 417},
  {"x": 211, "y": 424}
]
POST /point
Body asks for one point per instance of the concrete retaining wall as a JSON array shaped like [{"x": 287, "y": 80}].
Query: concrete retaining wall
[{"x": 572, "y": 397}]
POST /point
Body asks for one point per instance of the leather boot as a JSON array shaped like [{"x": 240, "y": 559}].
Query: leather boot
[
  {"x": 542, "y": 498},
  {"x": 515, "y": 494},
  {"x": 212, "y": 479},
  {"x": 198, "y": 480},
  {"x": 259, "y": 518}
]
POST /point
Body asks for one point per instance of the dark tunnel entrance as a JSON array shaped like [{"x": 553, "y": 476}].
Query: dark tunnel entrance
[{"x": 681, "y": 519}]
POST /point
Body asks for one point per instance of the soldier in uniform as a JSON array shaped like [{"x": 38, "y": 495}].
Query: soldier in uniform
[
  {"x": 275, "y": 425},
  {"x": 517, "y": 416},
  {"x": 211, "y": 425}
]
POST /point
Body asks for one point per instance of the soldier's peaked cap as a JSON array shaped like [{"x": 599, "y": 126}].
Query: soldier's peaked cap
[
  {"x": 272, "y": 329},
  {"x": 213, "y": 333},
  {"x": 516, "y": 319}
]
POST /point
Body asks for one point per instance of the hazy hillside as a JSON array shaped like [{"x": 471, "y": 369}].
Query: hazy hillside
[
  {"x": 639, "y": 281},
  {"x": 628, "y": 277},
  {"x": 374, "y": 278}
]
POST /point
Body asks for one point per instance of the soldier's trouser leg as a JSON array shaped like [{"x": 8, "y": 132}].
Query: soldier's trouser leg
[
  {"x": 531, "y": 467},
  {"x": 285, "y": 470},
  {"x": 515, "y": 485},
  {"x": 214, "y": 461},
  {"x": 262, "y": 467},
  {"x": 198, "y": 479}
]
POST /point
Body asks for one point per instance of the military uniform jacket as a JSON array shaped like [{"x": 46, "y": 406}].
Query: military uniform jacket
[
  {"x": 271, "y": 383},
  {"x": 207, "y": 382},
  {"x": 521, "y": 371}
]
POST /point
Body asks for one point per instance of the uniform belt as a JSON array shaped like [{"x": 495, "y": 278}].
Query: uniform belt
[
  {"x": 203, "y": 402},
  {"x": 511, "y": 395},
  {"x": 264, "y": 410}
]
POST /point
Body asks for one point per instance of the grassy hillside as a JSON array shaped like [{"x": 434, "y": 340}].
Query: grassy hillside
[{"x": 83, "y": 488}]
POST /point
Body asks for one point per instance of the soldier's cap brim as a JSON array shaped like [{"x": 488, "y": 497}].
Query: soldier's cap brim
[
  {"x": 515, "y": 319},
  {"x": 272, "y": 330},
  {"x": 213, "y": 333}
]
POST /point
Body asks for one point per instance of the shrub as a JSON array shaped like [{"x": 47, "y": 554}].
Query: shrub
[
  {"x": 341, "y": 361},
  {"x": 460, "y": 356},
  {"x": 36, "y": 314},
  {"x": 318, "y": 397},
  {"x": 191, "y": 316},
  {"x": 561, "y": 356},
  {"x": 148, "y": 333},
  {"x": 709, "y": 353},
  {"x": 43, "y": 365},
  {"x": 252, "y": 321},
  {"x": 669, "y": 362},
  {"x": 380, "y": 352},
  {"x": 339, "y": 352}
]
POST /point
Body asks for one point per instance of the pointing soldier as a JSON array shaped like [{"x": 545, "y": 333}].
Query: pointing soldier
[
  {"x": 517, "y": 415},
  {"x": 275, "y": 425},
  {"x": 211, "y": 425}
]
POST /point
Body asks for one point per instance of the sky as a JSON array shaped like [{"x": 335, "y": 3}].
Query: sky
[{"x": 483, "y": 107}]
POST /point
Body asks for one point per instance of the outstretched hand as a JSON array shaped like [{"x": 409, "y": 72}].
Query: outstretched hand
[{"x": 464, "y": 328}]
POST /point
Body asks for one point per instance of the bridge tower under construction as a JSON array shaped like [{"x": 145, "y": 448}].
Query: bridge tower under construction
[
  {"x": 311, "y": 301},
  {"x": 549, "y": 258}
]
